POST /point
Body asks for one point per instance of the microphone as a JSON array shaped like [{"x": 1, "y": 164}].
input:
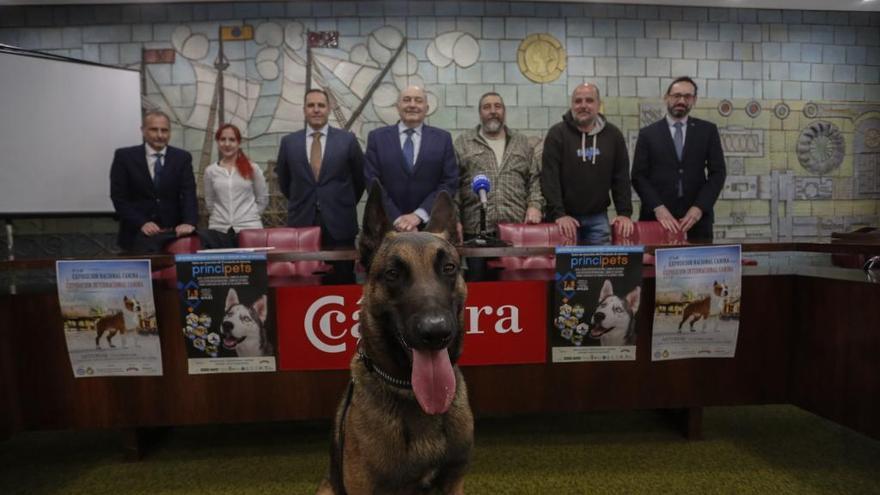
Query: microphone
[{"x": 481, "y": 185}]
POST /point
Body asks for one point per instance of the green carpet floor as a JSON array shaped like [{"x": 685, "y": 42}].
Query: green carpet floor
[{"x": 762, "y": 449}]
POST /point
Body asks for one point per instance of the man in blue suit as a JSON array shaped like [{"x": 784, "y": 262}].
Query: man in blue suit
[
  {"x": 413, "y": 161},
  {"x": 321, "y": 173},
  {"x": 153, "y": 189},
  {"x": 678, "y": 166}
]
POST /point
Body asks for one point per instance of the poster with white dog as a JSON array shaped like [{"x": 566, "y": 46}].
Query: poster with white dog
[
  {"x": 596, "y": 299},
  {"x": 224, "y": 301},
  {"x": 109, "y": 317},
  {"x": 697, "y": 302}
]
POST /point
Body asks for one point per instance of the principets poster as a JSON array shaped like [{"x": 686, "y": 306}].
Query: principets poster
[
  {"x": 228, "y": 326},
  {"x": 596, "y": 300}
]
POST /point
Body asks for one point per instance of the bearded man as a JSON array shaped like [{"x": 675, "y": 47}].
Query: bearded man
[
  {"x": 506, "y": 158},
  {"x": 678, "y": 167}
]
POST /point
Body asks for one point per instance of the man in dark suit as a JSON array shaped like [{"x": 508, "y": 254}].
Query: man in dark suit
[
  {"x": 412, "y": 160},
  {"x": 678, "y": 168},
  {"x": 321, "y": 172},
  {"x": 153, "y": 189}
]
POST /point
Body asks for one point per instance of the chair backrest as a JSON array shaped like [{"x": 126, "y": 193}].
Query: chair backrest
[
  {"x": 183, "y": 245},
  {"x": 645, "y": 233},
  {"x": 287, "y": 239},
  {"x": 531, "y": 234}
]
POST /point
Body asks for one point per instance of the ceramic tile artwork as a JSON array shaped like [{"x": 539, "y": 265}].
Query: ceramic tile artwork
[{"x": 795, "y": 94}]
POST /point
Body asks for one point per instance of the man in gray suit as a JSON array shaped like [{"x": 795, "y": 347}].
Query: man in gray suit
[{"x": 321, "y": 173}]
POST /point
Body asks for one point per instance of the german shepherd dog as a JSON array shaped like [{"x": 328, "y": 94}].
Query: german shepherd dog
[
  {"x": 404, "y": 425},
  {"x": 130, "y": 318}
]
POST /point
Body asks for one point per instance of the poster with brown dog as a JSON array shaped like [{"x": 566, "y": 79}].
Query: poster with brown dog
[
  {"x": 697, "y": 302},
  {"x": 109, "y": 317}
]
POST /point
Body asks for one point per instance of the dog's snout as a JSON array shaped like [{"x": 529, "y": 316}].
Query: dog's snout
[
  {"x": 598, "y": 317},
  {"x": 227, "y": 326},
  {"x": 434, "y": 330}
]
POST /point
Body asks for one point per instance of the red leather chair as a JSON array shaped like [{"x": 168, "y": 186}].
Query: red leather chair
[
  {"x": 288, "y": 239},
  {"x": 182, "y": 245},
  {"x": 525, "y": 235},
  {"x": 645, "y": 233}
]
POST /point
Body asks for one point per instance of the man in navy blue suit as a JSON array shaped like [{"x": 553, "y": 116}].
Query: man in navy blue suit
[
  {"x": 321, "y": 173},
  {"x": 153, "y": 188},
  {"x": 413, "y": 161},
  {"x": 678, "y": 166}
]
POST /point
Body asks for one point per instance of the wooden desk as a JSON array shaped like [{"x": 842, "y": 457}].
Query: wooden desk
[{"x": 812, "y": 342}]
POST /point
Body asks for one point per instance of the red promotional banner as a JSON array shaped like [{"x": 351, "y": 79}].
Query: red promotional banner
[{"x": 318, "y": 326}]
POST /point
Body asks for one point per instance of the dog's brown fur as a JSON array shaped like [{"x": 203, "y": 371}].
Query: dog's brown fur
[
  {"x": 115, "y": 322},
  {"x": 383, "y": 441}
]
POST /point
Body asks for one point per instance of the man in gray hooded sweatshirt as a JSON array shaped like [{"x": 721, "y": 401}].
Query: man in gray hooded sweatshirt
[{"x": 585, "y": 157}]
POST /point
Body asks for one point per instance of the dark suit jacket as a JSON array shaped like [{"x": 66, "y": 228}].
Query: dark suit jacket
[
  {"x": 656, "y": 172},
  {"x": 137, "y": 201},
  {"x": 336, "y": 192},
  {"x": 408, "y": 190}
]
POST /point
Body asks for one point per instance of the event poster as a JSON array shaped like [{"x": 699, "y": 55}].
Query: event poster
[
  {"x": 697, "y": 302},
  {"x": 596, "y": 299},
  {"x": 227, "y": 323},
  {"x": 109, "y": 317}
]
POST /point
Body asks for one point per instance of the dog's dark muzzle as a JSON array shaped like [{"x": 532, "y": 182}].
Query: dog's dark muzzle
[{"x": 432, "y": 330}]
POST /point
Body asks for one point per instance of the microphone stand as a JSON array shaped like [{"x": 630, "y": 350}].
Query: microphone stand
[{"x": 484, "y": 238}]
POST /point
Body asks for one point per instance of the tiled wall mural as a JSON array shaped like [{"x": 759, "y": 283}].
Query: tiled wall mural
[{"x": 796, "y": 94}]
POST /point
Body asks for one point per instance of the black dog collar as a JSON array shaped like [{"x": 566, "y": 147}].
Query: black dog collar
[{"x": 372, "y": 368}]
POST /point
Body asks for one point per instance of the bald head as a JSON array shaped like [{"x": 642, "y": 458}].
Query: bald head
[
  {"x": 585, "y": 105},
  {"x": 412, "y": 106}
]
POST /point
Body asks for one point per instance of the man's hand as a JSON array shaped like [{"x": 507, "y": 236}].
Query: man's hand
[
  {"x": 568, "y": 225},
  {"x": 407, "y": 223},
  {"x": 666, "y": 219},
  {"x": 184, "y": 229},
  {"x": 623, "y": 225},
  {"x": 533, "y": 215},
  {"x": 692, "y": 216},
  {"x": 150, "y": 229}
]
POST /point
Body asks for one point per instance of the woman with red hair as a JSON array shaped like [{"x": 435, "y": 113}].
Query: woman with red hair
[{"x": 235, "y": 189}]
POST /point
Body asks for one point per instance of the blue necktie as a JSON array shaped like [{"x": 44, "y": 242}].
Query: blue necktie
[
  {"x": 409, "y": 149},
  {"x": 679, "y": 140},
  {"x": 157, "y": 169}
]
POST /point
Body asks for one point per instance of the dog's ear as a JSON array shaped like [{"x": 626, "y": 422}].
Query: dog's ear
[
  {"x": 375, "y": 226},
  {"x": 443, "y": 218},
  {"x": 231, "y": 299},
  {"x": 633, "y": 299},
  {"x": 606, "y": 291},
  {"x": 261, "y": 308}
]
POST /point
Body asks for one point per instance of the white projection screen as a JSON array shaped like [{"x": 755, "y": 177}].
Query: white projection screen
[{"x": 60, "y": 121}]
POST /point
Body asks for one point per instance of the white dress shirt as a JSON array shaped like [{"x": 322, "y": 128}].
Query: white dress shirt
[{"x": 234, "y": 201}]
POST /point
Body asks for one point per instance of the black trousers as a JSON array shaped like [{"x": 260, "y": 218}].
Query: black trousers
[{"x": 343, "y": 270}]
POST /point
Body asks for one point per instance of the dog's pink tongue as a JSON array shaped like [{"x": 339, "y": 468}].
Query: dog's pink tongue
[{"x": 433, "y": 380}]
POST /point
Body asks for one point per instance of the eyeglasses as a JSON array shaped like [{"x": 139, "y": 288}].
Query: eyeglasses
[{"x": 680, "y": 96}]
